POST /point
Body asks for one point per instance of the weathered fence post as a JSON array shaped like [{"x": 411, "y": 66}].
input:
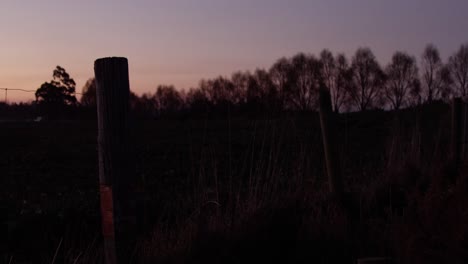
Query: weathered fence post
[
  {"x": 456, "y": 133},
  {"x": 329, "y": 144},
  {"x": 115, "y": 182}
]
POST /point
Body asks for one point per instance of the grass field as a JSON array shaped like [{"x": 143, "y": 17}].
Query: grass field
[{"x": 240, "y": 190}]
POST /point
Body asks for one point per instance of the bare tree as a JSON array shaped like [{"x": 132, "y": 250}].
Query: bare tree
[
  {"x": 262, "y": 92},
  {"x": 306, "y": 77},
  {"x": 458, "y": 65},
  {"x": 220, "y": 91},
  {"x": 445, "y": 81},
  {"x": 344, "y": 83},
  {"x": 336, "y": 77},
  {"x": 328, "y": 69},
  {"x": 368, "y": 79},
  {"x": 240, "y": 81},
  {"x": 197, "y": 100},
  {"x": 167, "y": 99},
  {"x": 415, "y": 94},
  {"x": 281, "y": 78},
  {"x": 402, "y": 77},
  {"x": 431, "y": 66},
  {"x": 329, "y": 73}
]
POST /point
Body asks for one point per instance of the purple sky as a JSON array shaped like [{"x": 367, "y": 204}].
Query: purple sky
[{"x": 180, "y": 42}]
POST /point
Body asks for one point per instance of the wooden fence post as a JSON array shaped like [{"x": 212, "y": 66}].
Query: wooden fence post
[
  {"x": 112, "y": 94},
  {"x": 456, "y": 132},
  {"x": 329, "y": 144}
]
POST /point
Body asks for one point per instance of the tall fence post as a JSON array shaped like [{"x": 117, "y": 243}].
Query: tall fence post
[
  {"x": 329, "y": 144},
  {"x": 456, "y": 136},
  {"x": 112, "y": 93}
]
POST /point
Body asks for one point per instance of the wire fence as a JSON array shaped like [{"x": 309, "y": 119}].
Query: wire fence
[{"x": 21, "y": 90}]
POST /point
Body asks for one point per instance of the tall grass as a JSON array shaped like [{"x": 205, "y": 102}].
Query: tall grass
[
  {"x": 260, "y": 195},
  {"x": 404, "y": 204}
]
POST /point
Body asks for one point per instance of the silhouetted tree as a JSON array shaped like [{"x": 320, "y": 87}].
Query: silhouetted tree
[
  {"x": 220, "y": 91},
  {"x": 197, "y": 101},
  {"x": 282, "y": 78},
  {"x": 328, "y": 70},
  {"x": 306, "y": 79},
  {"x": 53, "y": 97},
  {"x": 145, "y": 106},
  {"x": 293, "y": 83},
  {"x": 241, "y": 81},
  {"x": 167, "y": 100},
  {"x": 415, "y": 94},
  {"x": 336, "y": 76},
  {"x": 261, "y": 93},
  {"x": 458, "y": 65},
  {"x": 60, "y": 90},
  {"x": 431, "y": 66},
  {"x": 344, "y": 84},
  {"x": 88, "y": 98},
  {"x": 402, "y": 77},
  {"x": 445, "y": 83},
  {"x": 368, "y": 79}
]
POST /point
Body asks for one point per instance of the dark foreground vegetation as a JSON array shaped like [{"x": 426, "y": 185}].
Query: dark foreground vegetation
[
  {"x": 238, "y": 189},
  {"x": 233, "y": 171}
]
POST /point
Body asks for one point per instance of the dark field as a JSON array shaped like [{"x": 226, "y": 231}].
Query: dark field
[{"x": 240, "y": 190}]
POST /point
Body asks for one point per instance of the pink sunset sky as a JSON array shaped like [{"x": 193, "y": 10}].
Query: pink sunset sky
[{"x": 181, "y": 42}]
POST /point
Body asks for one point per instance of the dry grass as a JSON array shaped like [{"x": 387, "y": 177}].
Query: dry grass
[{"x": 259, "y": 195}]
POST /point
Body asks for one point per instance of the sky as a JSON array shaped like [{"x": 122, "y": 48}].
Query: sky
[{"x": 180, "y": 42}]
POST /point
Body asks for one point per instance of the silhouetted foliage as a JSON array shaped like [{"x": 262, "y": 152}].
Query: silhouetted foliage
[
  {"x": 88, "y": 98},
  {"x": 291, "y": 84},
  {"x": 402, "y": 80},
  {"x": 197, "y": 100},
  {"x": 337, "y": 77},
  {"x": 366, "y": 90},
  {"x": 60, "y": 90},
  {"x": 281, "y": 74},
  {"x": 168, "y": 100},
  {"x": 241, "y": 82},
  {"x": 221, "y": 93},
  {"x": 415, "y": 94},
  {"x": 328, "y": 70},
  {"x": 445, "y": 83},
  {"x": 435, "y": 78},
  {"x": 55, "y": 95},
  {"x": 458, "y": 65},
  {"x": 261, "y": 93},
  {"x": 306, "y": 78}
]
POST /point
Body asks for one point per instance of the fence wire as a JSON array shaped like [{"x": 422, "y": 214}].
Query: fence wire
[{"x": 21, "y": 90}]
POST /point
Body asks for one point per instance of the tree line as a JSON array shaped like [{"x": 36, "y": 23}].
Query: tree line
[
  {"x": 355, "y": 84},
  {"x": 358, "y": 83}
]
